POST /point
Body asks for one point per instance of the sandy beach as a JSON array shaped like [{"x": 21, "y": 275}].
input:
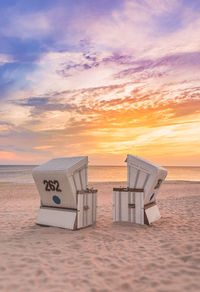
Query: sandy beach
[{"x": 162, "y": 257}]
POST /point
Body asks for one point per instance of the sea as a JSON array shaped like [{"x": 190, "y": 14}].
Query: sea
[{"x": 23, "y": 173}]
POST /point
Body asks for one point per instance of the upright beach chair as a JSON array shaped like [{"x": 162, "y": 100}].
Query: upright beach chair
[
  {"x": 66, "y": 200},
  {"x": 137, "y": 202}
]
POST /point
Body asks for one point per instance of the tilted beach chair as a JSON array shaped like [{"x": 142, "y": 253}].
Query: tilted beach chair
[
  {"x": 137, "y": 202},
  {"x": 66, "y": 200}
]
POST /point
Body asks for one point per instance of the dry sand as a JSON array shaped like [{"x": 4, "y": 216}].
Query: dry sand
[{"x": 162, "y": 257}]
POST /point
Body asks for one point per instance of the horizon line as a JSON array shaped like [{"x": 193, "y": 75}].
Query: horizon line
[{"x": 106, "y": 165}]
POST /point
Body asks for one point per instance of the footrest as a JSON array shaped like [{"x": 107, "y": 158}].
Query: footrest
[
  {"x": 151, "y": 213},
  {"x": 57, "y": 217}
]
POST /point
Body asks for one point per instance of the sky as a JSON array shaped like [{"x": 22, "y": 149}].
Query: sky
[{"x": 100, "y": 78}]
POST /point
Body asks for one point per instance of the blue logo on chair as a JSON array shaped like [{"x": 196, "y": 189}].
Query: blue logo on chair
[
  {"x": 56, "y": 200},
  {"x": 152, "y": 197}
]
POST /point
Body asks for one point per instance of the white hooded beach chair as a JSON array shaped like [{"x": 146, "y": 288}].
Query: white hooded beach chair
[
  {"x": 66, "y": 200},
  {"x": 137, "y": 202}
]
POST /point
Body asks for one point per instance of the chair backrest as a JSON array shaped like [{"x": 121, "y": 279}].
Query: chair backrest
[
  {"x": 146, "y": 175},
  {"x": 59, "y": 180}
]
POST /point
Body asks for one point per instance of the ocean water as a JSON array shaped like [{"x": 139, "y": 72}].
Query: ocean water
[{"x": 23, "y": 173}]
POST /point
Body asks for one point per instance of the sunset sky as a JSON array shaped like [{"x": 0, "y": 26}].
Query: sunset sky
[{"x": 101, "y": 78}]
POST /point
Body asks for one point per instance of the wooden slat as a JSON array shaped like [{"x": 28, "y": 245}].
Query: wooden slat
[
  {"x": 131, "y": 205},
  {"x": 58, "y": 208},
  {"x": 73, "y": 186},
  {"x": 83, "y": 178},
  {"x": 94, "y": 207},
  {"x": 139, "y": 209},
  {"x": 117, "y": 206},
  {"x": 114, "y": 206},
  {"x": 136, "y": 190},
  {"x": 86, "y": 191},
  {"x": 77, "y": 180},
  {"x": 82, "y": 187},
  {"x": 128, "y": 173},
  {"x": 129, "y": 209},
  {"x": 86, "y": 176},
  {"x": 142, "y": 208},
  {"x": 90, "y": 204},
  {"x": 85, "y": 210},
  {"x": 80, "y": 212},
  {"x": 149, "y": 205},
  {"x": 124, "y": 206},
  {"x": 133, "y": 175},
  {"x": 132, "y": 210}
]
